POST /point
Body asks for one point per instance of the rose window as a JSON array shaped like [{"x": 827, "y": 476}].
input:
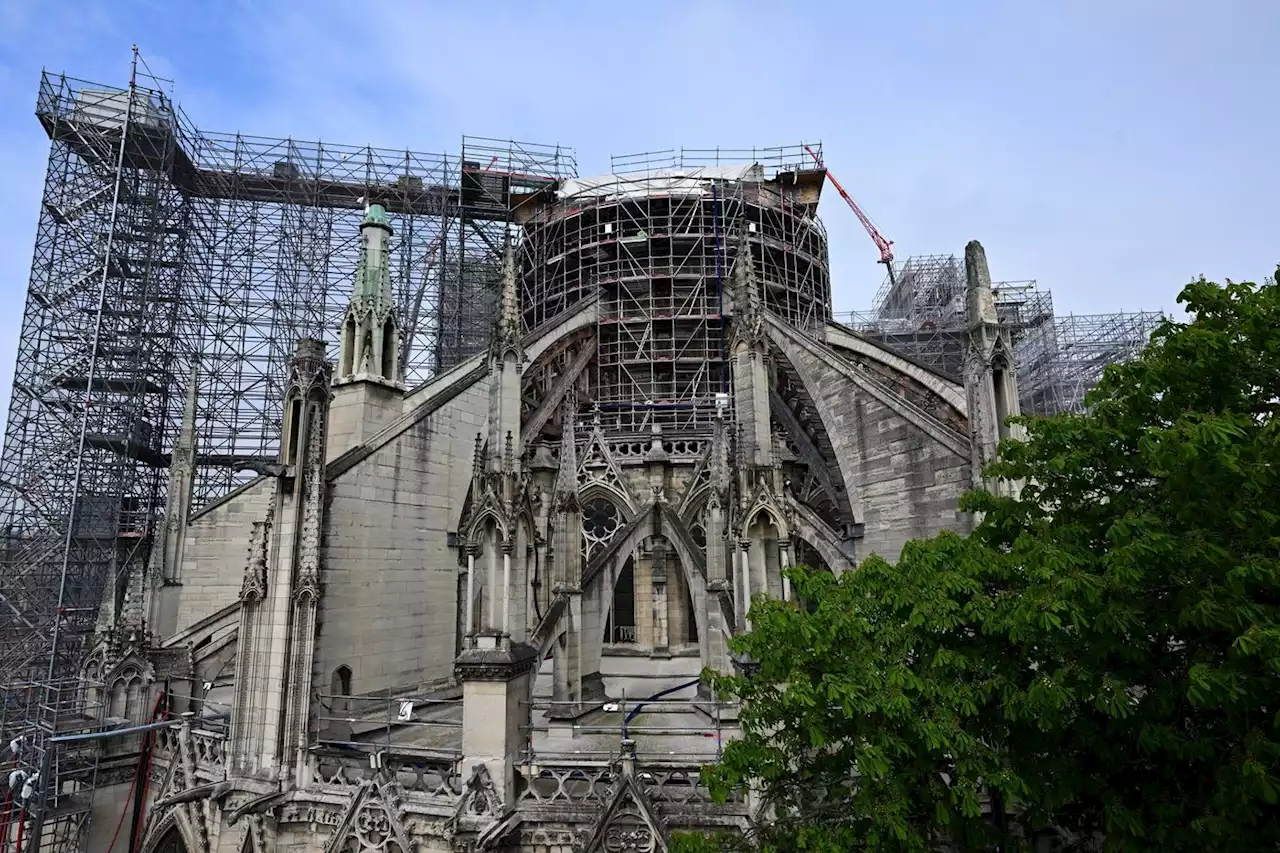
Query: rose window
[{"x": 600, "y": 520}]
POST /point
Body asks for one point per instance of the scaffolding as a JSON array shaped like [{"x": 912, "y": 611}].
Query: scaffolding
[
  {"x": 164, "y": 253},
  {"x": 50, "y": 728},
  {"x": 921, "y": 313},
  {"x": 655, "y": 240}
]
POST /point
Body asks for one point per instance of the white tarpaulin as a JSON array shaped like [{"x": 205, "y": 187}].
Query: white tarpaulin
[{"x": 675, "y": 181}]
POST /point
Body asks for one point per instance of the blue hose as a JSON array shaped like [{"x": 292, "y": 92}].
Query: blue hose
[{"x": 631, "y": 715}]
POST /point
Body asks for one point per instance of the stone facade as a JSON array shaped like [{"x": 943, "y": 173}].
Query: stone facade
[{"x": 420, "y": 630}]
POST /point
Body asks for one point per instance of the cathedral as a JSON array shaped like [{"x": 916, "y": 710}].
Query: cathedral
[{"x": 471, "y": 615}]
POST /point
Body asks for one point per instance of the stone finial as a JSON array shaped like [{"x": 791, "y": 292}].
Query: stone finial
[
  {"x": 979, "y": 300},
  {"x": 309, "y": 348},
  {"x": 370, "y": 340},
  {"x": 746, "y": 285},
  {"x": 748, "y": 302},
  {"x": 308, "y": 369},
  {"x": 509, "y": 309},
  {"x": 187, "y": 432},
  {"x": 657, "y": 453},
  {"x": 566, "y": 487},
  {"x": 373, "y": 276}
]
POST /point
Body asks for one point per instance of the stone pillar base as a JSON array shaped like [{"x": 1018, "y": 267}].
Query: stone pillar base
[{"x": 496, "y": 714}]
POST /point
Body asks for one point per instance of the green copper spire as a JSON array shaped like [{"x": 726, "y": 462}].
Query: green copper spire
[
  {"x": 373, "y": 278},
  {"x": 376, "y": 214},
  {"x": 370, "y": 348}
]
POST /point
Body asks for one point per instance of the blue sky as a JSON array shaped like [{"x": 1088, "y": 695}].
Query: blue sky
[{"x": 1111, "y": 150}]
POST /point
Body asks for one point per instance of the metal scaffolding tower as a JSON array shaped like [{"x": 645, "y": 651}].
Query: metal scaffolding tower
[
  {"x": 656, "y": 240},
  {"x": 159, "y": 248},
  {"x": 920, "y": 313}
]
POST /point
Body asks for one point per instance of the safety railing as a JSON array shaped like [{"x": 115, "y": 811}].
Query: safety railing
[{"x": 364, "y": 721}]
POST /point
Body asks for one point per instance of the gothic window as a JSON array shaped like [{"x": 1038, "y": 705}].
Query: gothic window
[
  {"x": 699, "y": 534},
  {"x": 600, "y": 521},
  {"x": 118, "y": 698},
  {"x": 92, "y": 690},
  {"x": 171, "y": 843},
  {"x": 389, "y": 349},
  {"x": 133, "y": 700},
  {"x": 348, "y": 346},
  {"x": 339, "y": 726},
  {"x": 341, "y": 682}
]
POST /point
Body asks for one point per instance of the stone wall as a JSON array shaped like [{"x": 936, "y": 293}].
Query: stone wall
[
  {"x": 910, "y": 484},
  {"x": 215, "y": 551},
  {"x": 390, "y": 580},
  {"x": 905, "y": 468}
]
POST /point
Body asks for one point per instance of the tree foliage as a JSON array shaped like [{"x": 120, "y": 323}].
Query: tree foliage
[{"x": 1100, "y": 658}]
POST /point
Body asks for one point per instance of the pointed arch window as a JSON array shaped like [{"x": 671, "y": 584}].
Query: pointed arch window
[
  {"x": 600, "y": 521},
  {"x": 389, "y": 349}
]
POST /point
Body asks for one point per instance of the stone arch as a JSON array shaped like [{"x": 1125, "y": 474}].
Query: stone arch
[
  {"x": 477, "y": 525},
  {"x": 170, "y": 835},
  {"x": 340, "y": 692},
  {"x": 135, "y": 695},
  {"x": 766, "y": 535},
  {"x": 696, "y": 583},
  {"x": 95, "y": 693},
  {"x": 117, "y": 698},
  {"x": 696, "y": 503},
  {"x": 835, "y": 559},
  {"x": 620, "y": 498},
  {"x": 125, "y": 684},
  {"x": 614, "y": 630},
  {"x": 348, "y": 346},
  {"x": 776, "y": 518},
  {"x": 388, "y": 354},
  {"x": 486, "y": 535},
  {"x": 634, "y": 535}
]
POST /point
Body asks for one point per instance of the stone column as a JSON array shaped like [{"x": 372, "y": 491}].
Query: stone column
[
  {"x": 744, "y": 559},
  {"x": 471, "y": 591},
  {"x": 495, "y": 711},
  {"x": 506, "y": 588},
  {"x": 784, "y": 561},
  {"x": 492, "y": 548},
  {"x": 762, "y": 552},
  {"x": 715, "y": 652},
  {"x": 658, "y": 579}
]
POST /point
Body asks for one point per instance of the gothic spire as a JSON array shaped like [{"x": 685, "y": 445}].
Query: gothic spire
[
  {"x": 565, "y": 495},
  {"x": 746, "y": 285},
  {"x": 507, "y": 331},
  {"x": 509, "y": 318},
  {"x": 373, "y": 275},
  {"x": 370, "y": 347},
  {"x": 748, "y": 305},
  {"x": 979, "y": 300}
]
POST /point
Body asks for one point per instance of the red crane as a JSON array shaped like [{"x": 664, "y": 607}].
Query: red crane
[{"x": 885, "y": 246}]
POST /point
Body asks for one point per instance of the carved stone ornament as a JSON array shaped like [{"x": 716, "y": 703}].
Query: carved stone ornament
[
  {"x": 629, "y": 823},
  {"x": 309, "y": 370},
  {"x": 374, "y": 823},
  {"x": 479, "y": 799},
  {"x": 254, "y": 586}
]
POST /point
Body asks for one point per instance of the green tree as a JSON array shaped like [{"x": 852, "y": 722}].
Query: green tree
[{"x": 1101, "y": 655}]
